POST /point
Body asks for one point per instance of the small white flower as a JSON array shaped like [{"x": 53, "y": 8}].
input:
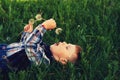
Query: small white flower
[
  {"x": 38, "y": 17},
  {"x": 78, "y": 26},
  {"x": 31, "y": 21},
  {"x": 58, "y": 31},
  {"x": 8, "y": 38}
]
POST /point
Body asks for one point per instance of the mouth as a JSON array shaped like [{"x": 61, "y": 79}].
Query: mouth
[{"x": 56, "y": 44}]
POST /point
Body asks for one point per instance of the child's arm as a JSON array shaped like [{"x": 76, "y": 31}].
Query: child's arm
[
  {"x": 37, "y": 34},
  {"x": 35, "y": 38}
]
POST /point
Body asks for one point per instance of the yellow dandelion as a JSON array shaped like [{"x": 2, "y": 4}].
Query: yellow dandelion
[
  {"x": 58, "y": 31},
  {"x": 38, "y": 17},
  {"x": 31, "y": 21}
]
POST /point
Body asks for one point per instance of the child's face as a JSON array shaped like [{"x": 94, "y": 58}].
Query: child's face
[{"x": 63, "y": 52}]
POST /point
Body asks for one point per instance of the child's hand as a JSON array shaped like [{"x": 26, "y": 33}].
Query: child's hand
[
  {"x": 28, "y": 28},
  {"x": 49, "y": 24}
]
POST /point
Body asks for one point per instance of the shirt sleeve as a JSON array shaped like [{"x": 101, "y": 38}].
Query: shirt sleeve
[
  {"x": 14, "y": 48},
  {"x": 24, "y": 36},
  {"x": 36, "y": 35},
  {"x": 34, "y": 52}
]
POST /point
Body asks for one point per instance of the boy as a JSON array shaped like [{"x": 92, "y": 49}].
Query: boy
[{"x": 31, "y": 49}]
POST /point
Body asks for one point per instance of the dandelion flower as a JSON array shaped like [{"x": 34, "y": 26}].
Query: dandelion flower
[
  {"x": 31, "y": 21},
  {"x": 8, "y": 38},
  {"x": 78, "y": 26},
  {"x": 38, "y": 17},
  {"x": 58, "y": 31}
]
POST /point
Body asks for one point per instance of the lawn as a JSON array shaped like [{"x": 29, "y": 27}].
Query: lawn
[{"x": 92, "y": 24}]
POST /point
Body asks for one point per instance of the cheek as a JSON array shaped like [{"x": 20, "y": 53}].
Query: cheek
[
  {"x": 63, "y": 53},
  {"x": 54, "y": 49}
]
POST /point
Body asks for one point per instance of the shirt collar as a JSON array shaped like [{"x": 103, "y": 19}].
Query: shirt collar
[{"x": 47, "y": 51}]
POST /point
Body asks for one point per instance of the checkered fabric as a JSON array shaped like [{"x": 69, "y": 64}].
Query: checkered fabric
[{"x": 31, "y": 44}]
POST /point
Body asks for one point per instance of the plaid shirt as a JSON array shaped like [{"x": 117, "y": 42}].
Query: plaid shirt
[{"x": 31, "y": 43}]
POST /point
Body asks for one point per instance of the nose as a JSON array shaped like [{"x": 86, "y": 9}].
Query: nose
[
  {"x": 60, "y": 43},
  {"x": 64, "y": 43}
]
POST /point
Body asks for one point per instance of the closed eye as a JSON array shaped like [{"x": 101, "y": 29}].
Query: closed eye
[{"x": 67, "y": 47}]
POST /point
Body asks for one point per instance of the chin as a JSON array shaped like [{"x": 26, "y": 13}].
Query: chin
[{"x": 51, "y": 47}]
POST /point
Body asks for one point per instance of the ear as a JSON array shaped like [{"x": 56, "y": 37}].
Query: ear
[
  {"x": 78, "y": 49},
  {"x": 63, "y": 61}
]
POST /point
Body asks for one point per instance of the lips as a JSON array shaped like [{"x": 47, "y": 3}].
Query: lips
[{"x": 56, "y": 44}]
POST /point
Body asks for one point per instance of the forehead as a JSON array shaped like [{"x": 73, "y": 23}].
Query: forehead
[
  {"x": 72, "y": 47},
  {"x": 72, "y": 53}
]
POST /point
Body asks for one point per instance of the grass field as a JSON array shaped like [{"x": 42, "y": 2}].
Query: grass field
[{"x": 92, "y": 24}]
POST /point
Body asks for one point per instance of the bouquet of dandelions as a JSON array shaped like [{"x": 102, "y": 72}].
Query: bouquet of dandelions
[{"x": 38, "y": 17}]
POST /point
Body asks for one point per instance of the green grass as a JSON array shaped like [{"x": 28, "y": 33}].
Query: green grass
[{"x": 92, "y": 24}]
